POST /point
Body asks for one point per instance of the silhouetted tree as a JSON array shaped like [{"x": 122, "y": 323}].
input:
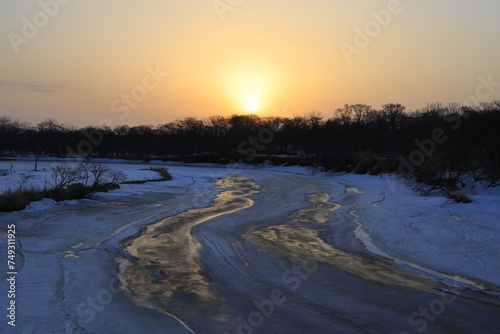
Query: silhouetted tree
[
  {"x": 356, "y": 138},
  {"x": 393, "y": 113}
]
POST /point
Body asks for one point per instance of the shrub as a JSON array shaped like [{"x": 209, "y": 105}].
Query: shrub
[
  {"x": 69, "y": 183},
  {"x": 163, "y": 172},
  {"x": 64, "y": 175},
  {"x": 387, "y": 165},
  {"x": 364, "y": 165},
  {"x": 165, "y": 176},
  {"x": 376, "y": 170},
  {"x": 459, "y": 197},
  {"x": 19, "y": 199},
  {"x": 78, "y": 190}
]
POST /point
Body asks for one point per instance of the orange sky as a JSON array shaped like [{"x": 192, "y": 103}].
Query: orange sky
[{"x": 89, "y": 62}]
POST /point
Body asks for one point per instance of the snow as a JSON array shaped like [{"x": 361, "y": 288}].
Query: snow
[
  {"x": 42, "y": 205},
  {"x": 66, "y": 249},
  {"x": 433, "y": 232},
  {"x": 71, "y": 248},
  {"x": 14, "y": 170},
  {"x": 393, "y": 220}
]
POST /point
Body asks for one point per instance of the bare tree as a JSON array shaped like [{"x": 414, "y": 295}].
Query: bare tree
[
  {"x": 84, "y": 170},
  {"x": 37, "y": 155},
  {"x": 64, "y": 175},
  {"x": 454, "y": 108},
  {"x": 435, "y": 109},
  {"x": 98, "y": 172},
  {"x": 219, "y": 125},
  {"x": 488, "y": 106},
  {"x": 24, "y": 180},
  {"x": 49, "y": 125},
  {"x": 344, "y": 114},
  {"x": 314, "y": 119},
  {"x": 393, "y": 112},
  {"x": 360, "y": 112},
  {"x": 101, "y": 174},
  {"x": 115, "y": 177}
]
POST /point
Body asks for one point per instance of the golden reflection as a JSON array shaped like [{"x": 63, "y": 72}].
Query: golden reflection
[
  {"x": 319, "y": 212},
  {"x": 296, "y": 241},
  {"x": 168, "y": 265}
]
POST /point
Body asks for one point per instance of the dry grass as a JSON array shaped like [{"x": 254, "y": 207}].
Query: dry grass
[{"x": 165, "y": 176}]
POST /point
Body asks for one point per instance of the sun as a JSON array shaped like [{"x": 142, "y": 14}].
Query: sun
[
  {"x": 251, "y": 103},
  {"x": 249, "y": 85}
]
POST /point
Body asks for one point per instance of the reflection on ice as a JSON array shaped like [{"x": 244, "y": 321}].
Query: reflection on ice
[
  {"x": 298, "y": 240},
  {"x": 167, "y": 267}
]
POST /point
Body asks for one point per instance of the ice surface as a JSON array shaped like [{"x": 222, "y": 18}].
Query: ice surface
[{"x": 70, "y": 249}]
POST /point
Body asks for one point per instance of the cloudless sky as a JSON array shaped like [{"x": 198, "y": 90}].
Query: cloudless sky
[{"x": 269, "y": 57}]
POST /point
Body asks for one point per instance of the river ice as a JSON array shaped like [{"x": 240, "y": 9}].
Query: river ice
[{"x": 274, "y": 267}]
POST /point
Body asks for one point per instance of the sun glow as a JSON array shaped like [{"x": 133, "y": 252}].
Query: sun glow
[
  {"x": 251, "y": 99},
  {"x": 249, "y": 86},
  {"x": 251, "y": 104}
]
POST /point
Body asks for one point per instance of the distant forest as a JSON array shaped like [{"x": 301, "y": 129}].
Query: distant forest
[{"x": 437, "y": 144}]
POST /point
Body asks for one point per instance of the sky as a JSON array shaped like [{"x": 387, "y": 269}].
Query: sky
[{"x": 154, "y": 61}]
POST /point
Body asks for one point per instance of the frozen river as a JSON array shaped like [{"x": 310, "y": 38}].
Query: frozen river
[{"x": 251, "y": 251}]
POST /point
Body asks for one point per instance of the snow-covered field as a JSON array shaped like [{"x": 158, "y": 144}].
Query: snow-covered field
[
  {"x": 70, "y": 249},
  {"x": 12, "y": 171}
]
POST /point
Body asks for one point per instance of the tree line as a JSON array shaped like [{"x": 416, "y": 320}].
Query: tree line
[{"x": 435, "y": 144}]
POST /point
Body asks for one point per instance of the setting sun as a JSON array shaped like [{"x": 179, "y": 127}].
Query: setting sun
[
  {"x": 251, "y": 100},
  {"x": 251, "y": 104},
  {"x": 249, "y": 83}
]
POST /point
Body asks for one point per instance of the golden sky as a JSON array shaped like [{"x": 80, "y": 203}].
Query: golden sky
[{"x": 153, "y": 61}]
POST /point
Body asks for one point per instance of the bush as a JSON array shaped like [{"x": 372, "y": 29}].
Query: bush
[
  {"x": 73, "y": 191},
  {"x": 365, "y": 164},
  {"x": 343, "y": 162},
  {"x": 460, "y": 197},
  {"x": 69, "y": 183},
  {"x": 165, "y": 176},
  {"x": 376, "y": 170},
  {"x": 163, "y": 172},
  {"x": 64, "y": 175},
  {"x": 387, "y": 165},
  {"x": 19, "y": 199}
]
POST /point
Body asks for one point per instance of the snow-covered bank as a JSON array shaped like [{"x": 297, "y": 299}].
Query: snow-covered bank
[{"x": 434, "y": 232}]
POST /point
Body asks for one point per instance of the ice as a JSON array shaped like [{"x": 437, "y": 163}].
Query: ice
[{"x": 70, "y": 250}]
